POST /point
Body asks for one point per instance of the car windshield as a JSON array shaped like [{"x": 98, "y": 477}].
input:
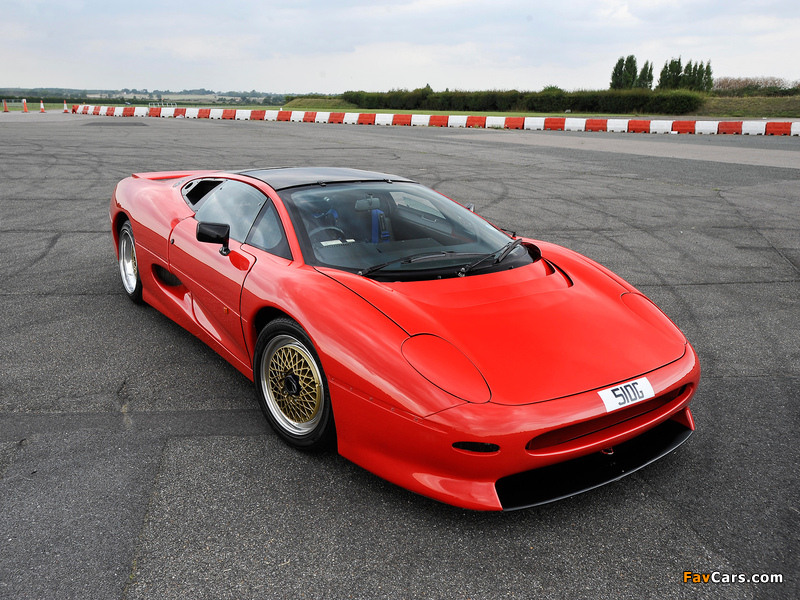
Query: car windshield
[{"x": 396, "y": 231}]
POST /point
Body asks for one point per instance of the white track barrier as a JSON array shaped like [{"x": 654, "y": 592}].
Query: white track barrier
[
  {"x": 457, "y": 121},
  {"x": 322, "y": 117},
  {"x": 574, "y": 124},
  {"x": 420, "y": 120},
  {"x": 754, "y": 127},
  {"x": 706, "y": 127},
  {"x": 532, "y": 123},
  {"x": 618, "y": 125},
  {"x": 796, "y": 128},
  {"x": 660, "y": 126},
  {"x": 383, "y": 119},
  {"x": 495, "y": 122},
  {"x": 351, "y": 118}
]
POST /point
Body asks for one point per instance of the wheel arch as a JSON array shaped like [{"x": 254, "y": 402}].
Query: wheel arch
[
  {"x": 118, "y": 220},
  {"x": 265, "y": 315}
]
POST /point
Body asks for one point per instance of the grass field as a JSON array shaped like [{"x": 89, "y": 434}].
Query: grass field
[
  {"x": 785, "y": 107},
  {"x": 714, "y": 108}
]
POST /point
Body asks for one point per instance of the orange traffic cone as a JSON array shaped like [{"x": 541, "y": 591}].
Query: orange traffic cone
[
  {"x": 41, "y": 106},
  {"x": 65, "y": 107},
  {"x": 5, "y": 107},
  {"x": 24, "y": 105}
]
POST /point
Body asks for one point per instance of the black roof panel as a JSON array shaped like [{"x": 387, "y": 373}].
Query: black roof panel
[{"x": 282, "y": 178}]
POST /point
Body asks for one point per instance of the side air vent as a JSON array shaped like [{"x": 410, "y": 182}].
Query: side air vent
[{"x": 166, "y": 277}]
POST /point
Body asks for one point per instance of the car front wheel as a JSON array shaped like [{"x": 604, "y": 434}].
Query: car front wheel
[
  {"x": 291, "y": 386},
  {"x": 128, "y": 266}
]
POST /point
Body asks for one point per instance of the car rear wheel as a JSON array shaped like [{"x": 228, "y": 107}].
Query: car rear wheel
[
  {"x": 128, "y": 266},
  {"x": 291, "y": 386}
]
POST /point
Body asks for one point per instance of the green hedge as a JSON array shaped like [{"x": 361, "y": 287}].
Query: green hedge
[{"x": 673, "y": 102}]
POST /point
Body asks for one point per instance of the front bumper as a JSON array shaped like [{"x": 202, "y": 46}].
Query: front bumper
[
  {"x": 545, "y": 451},
  {"x": 565, "y": 479}
]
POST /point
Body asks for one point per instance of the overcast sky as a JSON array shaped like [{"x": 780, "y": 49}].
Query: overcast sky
[{"x": 337, "y": 45}]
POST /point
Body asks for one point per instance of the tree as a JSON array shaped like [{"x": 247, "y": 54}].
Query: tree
[
  {"x": 700, "y": 78},
  {"x": 626, "y": 77},
  {"x": 708, "y": 80},
  {"x": 617, "y": 75},
  {"x": 645, "y": 77},
  {"x": 630, "y": 72},
  {"x": 694, "y": 76},
  {"x": 671, "y": 75}
]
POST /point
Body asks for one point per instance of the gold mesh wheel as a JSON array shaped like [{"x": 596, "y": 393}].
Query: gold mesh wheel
[{"x": 292, "y": 385}]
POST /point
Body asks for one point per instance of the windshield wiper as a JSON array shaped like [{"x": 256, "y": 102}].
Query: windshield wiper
[
  {"x": 501, "y": 254},
  {"x": 422, "y": 256}
]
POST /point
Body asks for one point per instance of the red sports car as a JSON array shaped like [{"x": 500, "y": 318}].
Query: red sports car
[{"x": 378, "y": 317}]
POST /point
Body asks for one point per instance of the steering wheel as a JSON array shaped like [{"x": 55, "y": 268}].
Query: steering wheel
[{"x": 338, "y": 233}]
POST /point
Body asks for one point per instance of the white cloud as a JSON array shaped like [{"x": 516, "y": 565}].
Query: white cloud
[{"x": 311, "y": 45}]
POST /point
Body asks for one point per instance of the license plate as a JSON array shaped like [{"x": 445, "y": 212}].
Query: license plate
[{"x": 626, "y": 394}]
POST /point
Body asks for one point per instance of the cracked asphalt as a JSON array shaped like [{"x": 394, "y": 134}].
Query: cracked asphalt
[{"x": 135, "y": 464}]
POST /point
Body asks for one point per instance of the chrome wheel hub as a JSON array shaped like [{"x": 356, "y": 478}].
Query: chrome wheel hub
[{"x": 127, "y": 262}]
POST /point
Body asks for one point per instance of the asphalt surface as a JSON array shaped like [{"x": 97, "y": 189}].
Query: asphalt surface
[{"x": 135, "y": 464}]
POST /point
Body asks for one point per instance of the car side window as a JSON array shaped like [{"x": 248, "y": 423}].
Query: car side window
[
  {"x": 234, "y": 203},
  {"x": 268, "y": 234}
]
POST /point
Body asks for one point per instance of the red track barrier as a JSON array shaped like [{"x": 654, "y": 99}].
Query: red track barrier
[
  {"x": 366, "y": 119},
  {"x": 110, "y": 111},
  {"x": 96, "y": 110},
  {"x": 554, "y": 123},
  {"x": 732, "y": 127},
  {"x": 180, "y": 112},
  {"x": 779, "y": 128},
  {"x": 336, "y": 118},
  {"x": 285, "y": 115},
  {"x": 128, "y": 111},
  {"x": 257, "y": 115},
  {"x": 401, "y": 120},
  {"x": 438, "y": 121},
  {"x": 154, "y": 111},
  {"x": 596, "y": 124},
  {"x": 204, "y": 113},
  {"x": 476, "y": 122},
  {"x": 638, "y": 126},
  {"x": 684, "y": 126},
  {"x": 515, "y": 122},
  {"x": 229, "y": 113},
  {"x": 309, "y": 117}
]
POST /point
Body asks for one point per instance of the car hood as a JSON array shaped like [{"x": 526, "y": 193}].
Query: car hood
[{"x": 558, "y": 327}]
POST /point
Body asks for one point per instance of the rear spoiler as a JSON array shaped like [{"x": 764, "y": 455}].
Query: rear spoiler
[{"x": 158, "y": 175}]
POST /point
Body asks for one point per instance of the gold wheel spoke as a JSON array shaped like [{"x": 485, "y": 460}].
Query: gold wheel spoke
[{"x": 292, "y": 361}]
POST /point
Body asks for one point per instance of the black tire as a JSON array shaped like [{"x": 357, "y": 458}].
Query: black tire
[
  {"x": 128, "y": 266},
  {"x": 292, "y": 388}
]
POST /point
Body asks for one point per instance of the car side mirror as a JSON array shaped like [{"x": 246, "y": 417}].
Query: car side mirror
[
  {"x": 470, "y": 207},
  {"x": 215, "y": 233}
]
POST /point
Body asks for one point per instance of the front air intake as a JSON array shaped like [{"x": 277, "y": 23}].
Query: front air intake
[{"x": 479, "y": 447}]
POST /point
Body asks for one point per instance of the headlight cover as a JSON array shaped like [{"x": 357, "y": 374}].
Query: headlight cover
[{"x": 446, "y": 367}]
